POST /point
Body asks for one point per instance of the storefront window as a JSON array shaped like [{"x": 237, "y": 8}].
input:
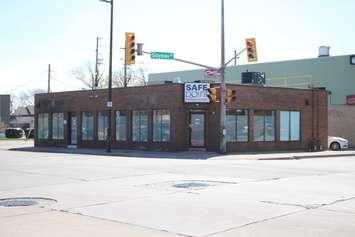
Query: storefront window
[
  {"x": 102, "y": 126},
  {"x": 87, "y": 126},
  {"x": 231, "y": 127},
  {"x": 121, "y": 126},
  {"x": 290, "y": 125},
  {"x": 237, "y": 126},
  {"x": 42, "y": 130},
  {"x": 264, "y": 125},
  {"x": 140, "y": 126},
  {"x": 161, "y": 125},
  {"x": 58, "y": 126}
]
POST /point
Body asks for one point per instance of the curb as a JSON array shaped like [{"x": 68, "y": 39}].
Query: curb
[
  {"x": 307, "y": 157},
  {"x": 172, "y": 155}
]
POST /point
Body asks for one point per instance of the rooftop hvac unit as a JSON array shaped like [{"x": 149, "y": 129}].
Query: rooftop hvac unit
[
  {"x": 253, "y": 78},
  {"x": 324, "y": 51}
]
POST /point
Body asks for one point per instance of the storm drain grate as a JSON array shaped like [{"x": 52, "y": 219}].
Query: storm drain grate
[
  {"x": 185, "y": 185},
  {"x": 191, "y": 185},
  {"x": 25, "y": 201}
]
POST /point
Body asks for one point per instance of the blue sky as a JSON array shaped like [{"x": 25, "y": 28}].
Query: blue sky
[{"x": 35, "y": 33}]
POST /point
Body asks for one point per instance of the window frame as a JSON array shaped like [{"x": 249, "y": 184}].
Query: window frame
[
  {"x": 105, "y": 128},
  {"x": 264, "y": 125},
  {"x": 125, "y": 113},
  {"x": 87, "y": 138},
  {"x": 40, "y": 127},
  {"x": 235, "y": 112},
  {"x": 55, "y": 129},
  {"x": 289, "y": 125},
  {"x": 161, "y": 125},
  {"x": 141, "y": 113}
]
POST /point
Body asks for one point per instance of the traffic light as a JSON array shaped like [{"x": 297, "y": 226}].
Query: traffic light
[
  {"x": 251, "y": 50},
  {"x": 139, "y": 49},
  {"x": 214, "y": 94},
  {"x": 130, "y": 48},
  {"x": 231, "y": 95}
]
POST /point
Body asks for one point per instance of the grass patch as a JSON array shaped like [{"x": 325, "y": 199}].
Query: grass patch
[{"x": 14, "y": 139}]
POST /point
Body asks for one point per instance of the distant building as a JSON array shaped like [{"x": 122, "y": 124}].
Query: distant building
[
  {"x": 5, "y": 108},
  {"x": 335, "y": 73},
  {"x": 23, "y": 117}
]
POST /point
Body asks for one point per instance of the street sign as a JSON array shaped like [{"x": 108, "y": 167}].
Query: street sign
[{"x": 162, "y": 55}]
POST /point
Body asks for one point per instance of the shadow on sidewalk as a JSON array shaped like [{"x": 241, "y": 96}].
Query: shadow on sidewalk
[{"x": 190, "y": 155}]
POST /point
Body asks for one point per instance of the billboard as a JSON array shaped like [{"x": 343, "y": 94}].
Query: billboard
[{"x": 196, "y": 92}]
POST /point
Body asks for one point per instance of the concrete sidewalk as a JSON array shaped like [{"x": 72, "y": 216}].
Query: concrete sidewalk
[
  {"x": 133, "y": 194},
  {"x": 195, "y": 155}
]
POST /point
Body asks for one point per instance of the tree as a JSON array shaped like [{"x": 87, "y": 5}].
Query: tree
[
  {"x": 24, "y": 98},
  {"x": 86, "y": 74},
  {"x": 134, "y": 78}
]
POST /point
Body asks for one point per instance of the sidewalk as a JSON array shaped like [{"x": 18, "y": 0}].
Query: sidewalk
[{"x": 199, "y": 155}]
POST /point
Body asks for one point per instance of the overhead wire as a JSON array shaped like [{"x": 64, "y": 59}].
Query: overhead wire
[
  {"x": 27, "y": 82},
  {"x": 69, "y": 86}
]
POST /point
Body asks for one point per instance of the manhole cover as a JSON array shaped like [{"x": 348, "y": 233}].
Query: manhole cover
[
  {"x": 191, "y": 185},
  {"x": 25, "y": 201}
]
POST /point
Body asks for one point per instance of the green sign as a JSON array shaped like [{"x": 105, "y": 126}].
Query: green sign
[{"x": 161, "y": 55}]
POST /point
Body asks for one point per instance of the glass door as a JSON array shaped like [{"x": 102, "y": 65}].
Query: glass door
[
  {"x": 197, "y": 129},
  {"x": 73, "y": 129}
]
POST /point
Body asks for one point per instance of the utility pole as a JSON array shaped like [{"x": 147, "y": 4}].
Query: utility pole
[
  {"x": 235, "y": 58},
  {"x": 109, "y": 100},
  {"x": 222, "y": 132},
  {"x": 49, "y": 78},
  {"x": 95, "y": 82},
  {"x": 125, "y": 70}
]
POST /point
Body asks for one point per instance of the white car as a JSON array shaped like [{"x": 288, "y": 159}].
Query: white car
[{"x": 337, "y": 143}]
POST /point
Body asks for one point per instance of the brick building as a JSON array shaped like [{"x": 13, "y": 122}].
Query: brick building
[
  {"x": 335, "y": 73},
  {"x": 158, "y": 117}
]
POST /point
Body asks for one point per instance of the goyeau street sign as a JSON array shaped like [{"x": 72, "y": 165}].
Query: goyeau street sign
[{"x": 161, "y": 55}]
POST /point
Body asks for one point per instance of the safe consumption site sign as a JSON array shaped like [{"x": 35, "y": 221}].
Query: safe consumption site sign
[{"x": 196, "y": 92}]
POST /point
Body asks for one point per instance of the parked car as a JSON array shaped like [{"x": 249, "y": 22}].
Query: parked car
[
  {"x": 14, "y": 132},
  {"x": 337, "y": 143}
]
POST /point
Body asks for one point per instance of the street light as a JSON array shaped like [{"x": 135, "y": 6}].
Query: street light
[{"x": 109, "y": 100}]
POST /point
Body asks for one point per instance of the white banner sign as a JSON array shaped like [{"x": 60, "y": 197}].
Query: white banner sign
[{"x": 196, "y": 92}]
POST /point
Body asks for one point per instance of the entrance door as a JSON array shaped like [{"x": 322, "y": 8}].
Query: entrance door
[
  {"x": 197, "y": 131},
  {"x": 73, "y": 129}
]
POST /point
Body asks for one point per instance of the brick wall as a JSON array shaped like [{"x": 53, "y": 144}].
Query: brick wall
[{"x": 313, "y": 107}]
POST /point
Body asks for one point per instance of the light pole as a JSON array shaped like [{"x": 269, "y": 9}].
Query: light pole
[
  {"x": 222, "y": 132},
  {"x": 109, "y": 100}
]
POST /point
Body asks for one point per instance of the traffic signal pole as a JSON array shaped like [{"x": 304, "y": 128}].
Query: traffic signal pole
[
  {"x": 125, "y": 70},
  {"x": 222, "y": 129},
  {"x": 188, "y": 62},
  {"x": 109, "y": 99}
]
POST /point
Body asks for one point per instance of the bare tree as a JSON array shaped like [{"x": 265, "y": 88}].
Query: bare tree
[
  {"x": 24, "y": 98},
  {"x": 133, "y": 78},
  {"x": 86, "y": 74}
]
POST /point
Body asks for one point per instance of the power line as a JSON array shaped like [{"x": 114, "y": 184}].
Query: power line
[
  {"x": 64, "y": 83},
  {"x": 27, "y": 82}
]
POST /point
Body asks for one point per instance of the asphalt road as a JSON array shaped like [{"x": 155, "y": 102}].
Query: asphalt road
[{"x": 128, "y": 196}]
